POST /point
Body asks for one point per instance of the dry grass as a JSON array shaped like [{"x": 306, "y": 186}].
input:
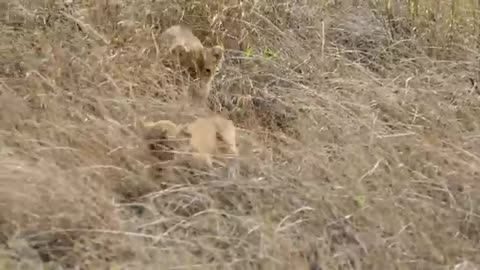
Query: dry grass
[{"x": 359, "y": 143}]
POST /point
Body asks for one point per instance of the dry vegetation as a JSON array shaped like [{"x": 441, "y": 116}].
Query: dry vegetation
[{"x": 358, "y": 130}]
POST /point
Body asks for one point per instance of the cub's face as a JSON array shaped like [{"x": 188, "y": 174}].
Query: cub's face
[
  {"x": 206, "y": 63},
  {"x": 211, "y": 61},
  {"x": 202, "y": 64}
]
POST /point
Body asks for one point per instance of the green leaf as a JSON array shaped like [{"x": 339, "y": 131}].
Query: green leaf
[
  {"x": 249, "y": 52},
  {"x": 269, "y": 53},
  {"x": 361, "y": 200},
  {"x": 115, "y": 267}
]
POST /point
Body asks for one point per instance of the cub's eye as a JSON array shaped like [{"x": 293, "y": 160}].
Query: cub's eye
[{"x": 208, "y": 71}]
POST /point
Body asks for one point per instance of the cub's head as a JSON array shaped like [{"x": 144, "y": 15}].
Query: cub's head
[
  {"x": 202, "y": 63},
  {"x": 210, "y": 62}
]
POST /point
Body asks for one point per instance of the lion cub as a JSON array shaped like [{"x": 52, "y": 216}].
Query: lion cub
[
  {"x": 213, "y": 136},
  {"x": 202, "y": 63},
  {"x": 206, "y": 136}
]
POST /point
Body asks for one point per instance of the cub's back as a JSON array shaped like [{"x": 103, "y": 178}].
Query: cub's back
[
  {"x": 203, "y": 135},
  {"x": 180, "y": 35},
  {"x": 213, "y": 134}
]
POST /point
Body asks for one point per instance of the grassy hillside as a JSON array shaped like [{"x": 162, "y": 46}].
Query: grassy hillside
[{"x": 358, "y": 125}]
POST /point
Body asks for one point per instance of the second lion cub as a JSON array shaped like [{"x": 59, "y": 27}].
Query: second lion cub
[
  {"x": 201, "y": 62},
  {"x": 208, "y": 138}
]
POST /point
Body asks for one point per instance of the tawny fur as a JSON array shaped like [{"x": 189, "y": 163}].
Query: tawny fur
[
  {"x": 213, "y": 135},
  {"x": 166, "y": 127},
  {"x": 201, "y": 62},
  {"x": 162, "y": 138},
  {"x": 207, "y": 137}
]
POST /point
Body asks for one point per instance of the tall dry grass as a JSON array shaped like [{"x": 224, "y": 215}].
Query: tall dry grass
[{"x": 358, "y": 132}]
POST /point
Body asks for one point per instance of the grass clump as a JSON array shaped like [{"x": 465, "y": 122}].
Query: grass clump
[{"x": 357, "y": 129}]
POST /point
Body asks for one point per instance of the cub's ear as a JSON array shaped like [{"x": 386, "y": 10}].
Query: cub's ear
[
  {"x": 217, "y": 52},
  {"x": 185, "y": 130}
]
